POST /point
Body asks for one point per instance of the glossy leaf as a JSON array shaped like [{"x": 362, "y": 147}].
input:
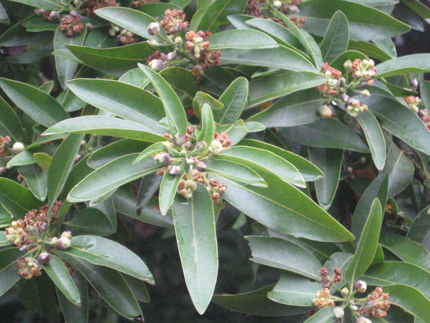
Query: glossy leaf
[
  {"x": 110, "y": 176},
  {"x": 172, "y": 105},
  {"x": 71, "y": 312},
  {"x": 135, "y": 77},
  {"x": 324, "y": 315},
  {"x": 104, "y": 252},
  {"x": 367, "y": 246},
  {"x": 127, "y": 101},
  {"x": 148, "y": 186},
  {"x": 109, "y": 284},
  {"x": 283, "y": 254},
  {"x": 241, "y": 39},
  {"x": 42, "y": 108},
  {"x": 36, "y": 179},
  {"x": 418, "y": 63},
  {"x": 107, "y": 126},
  {"x": 10, "y": 122},
  {"x": 4, "y": 18},
  {"x": 234, "y": 100},
  {"x": 236, "y": 171},
  {"x": 168, "y": 189},
  {"x": 374, "y": 136},
  {"x": 207, "y": 132},
  {"x": 270, "y": 87},
  {"x": 197, "y": 243},
  {"x": 336, "y": 37},
  {"x": 138, "y": 288},
  {"x": 8, "y": 270},
  {"x": 157, "y": 9},
  {"x": 370, "y": 50},
  {"x": 149, "y": 151},
  {"x": 330, "y": 162},
  {"x": 182, "y": 81},
  {"x": 90, "y": 221},
  {"x": 420, "y": 229},
  {"x": 202, "y": 98}
]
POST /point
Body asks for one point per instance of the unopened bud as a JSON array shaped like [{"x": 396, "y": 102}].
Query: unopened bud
[
  {"x": 167, "y": 160},
  {"x": 294, "y": 8},
  {"x": 111, "y": 32},
  {"x": 216, "y": 147},
  {"x": 67, "y": 234},
  {"x": 338, "y": 312},
  {"x": 63, "y": 243},
  {"x": 89, "y": 26},
  {"x": 175, "y": 170},
  {"x": 24, "y": 248},
  {"x": 54, "y": 242},
  {"x": 171, "y": 56},
  {"x": 360, "y": 286},
  {"x": 347, "y": 65},
  {"x": 166, "y": 146},
  {"x": 157, "y": 65},
  {"x": 344, "y": 97},
  {"x": 413, "y": 84},
  {"x": 277, "y": 4},
  {"x": 39, "y": 12},
  {"x": 178, "y": 140},
  {"x": 325, "y": 111},
  {"x": 365, "y": 93},
  {"x": 44, "y": 258},
  {"x": 74, "y": 13},
  {"x": 18, "y": 147},
  {"x": 153, "y": 28},
  {"x": 422, "y": 114},
  {"x": 178, "y": 41},
  {"x": 201, "y": 145},
  {"x": 201, "y": 166},
  {"x": 364, "y": 84},
  {"x": 344, "y": 292},
  {"x": 353, "y": 307},
  {"x": 363, "y": 320},
  {"x": 153, "y": 42}
]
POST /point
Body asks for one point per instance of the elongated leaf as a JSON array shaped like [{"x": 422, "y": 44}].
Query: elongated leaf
[
  {"x": 202, "y": 98},
  {"x": 168, "y": 191},
  {"x": 36, "y": 179},
  {"x": 270, "y": 161},
  {"x": 374, "y": 136},
  {"x": 294, "y": 109},
  {"x": 8, "y": 271},
  {"x": 135, "y": 77},
  {"x": 336, "y": 37},
  {"x": 324, "y": 315},
  {"x": 4, "y": 19},
  {"x": 61, "y": 278},
  {"x": 377, "y": 189},
  {"x": 207, "y": 133},
  {"x": 365, "y": 23},
  {"x": 324, "y": 133},
  {"x": 256, "y": 303},
  {"x": 44, "y": 4},
  {"x": 407, "y": 250},
  {"x": 71, "y": 312},
  {"x": 234, "y": 100},
  {"x": 116, "y": 60},
  {"x": 418, "y": 63},
  {"x": 236, "y": 132},
  {"x": 127, "y": 101},
  {"x": 133, "y": 20},
  {"x": 107, "y": 126},
  {"x": 370, "y": 50},
  {"x": 61, "y": 164},
  {"x": 17, "y": 199},
  {"x": 197, "y": 243},
  {"x": 367, "y": 246},
  {"x": 281, "y": 57},
  {"x": 110, "y": 176},
  {"x": 182, "y": 81},
  {"x": 242, "y": 39},
  {"x": 283, "y": 254},
  {"x": 138, "y": 288},
  {"x": 90, "y": 221},
  {"x": 172, "y": 105},
  {"x": 235, "y": 171},
  {"x": 420, "y": 229},
  {"x": 149, "y": 151},
  {"x": 273, "y": 86},
  {"x": 109, "y": 284},
  {"x": 147, "y": 189},
  {"x": 42, "y": 108},
  {"x": 104, "y": 252},
  {"x": 294, "y": 290},
  {"x": 10, "y": 122},
  {"x": 394, "y": 272},
  {"x": 330, "y": 162}
]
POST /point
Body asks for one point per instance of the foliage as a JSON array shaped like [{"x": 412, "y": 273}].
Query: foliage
[{"x": 218, "y": 124}]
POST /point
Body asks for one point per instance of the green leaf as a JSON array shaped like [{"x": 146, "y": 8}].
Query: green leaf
[
  {"x": 71, "y": 312},
  {"x": 370, "y": 50},
  {"x": 297, "y": 108},
  {"x": 294, "y": 290},
  {"x": 4, "y": 19},
  {"x": 324, "y": 133},
  {"x": 127, "y": 101},
  {"x": 110, "y": 176},
  {"x": 172, "y": 105},
  {"x": 106, "y": 126},
  {"x": 157, "y": 9},
  {"x": 367, "y": 246},
  {"x": 365, "y": 23},
  {"x": 336, "y": 37},
  {"x": 256, "y": 303},
  {"x": 407, "y": 250},
  {"x": 8, "y": 271},
  {"x": 417, "y": 63},
  {"x": 183, "y": 82},
  {"x": 135, "y": 77},
  {"x": 207, "y": 132},
  {"x": 138, "y": 288},
  {"x": 61, "y": 164},
  {"x": 149, "y": 151},
  {"x": 234, "y": 100},
  {"x": 236, "y": 132},
  {"x": 270, "y": 87},
  {"x": 281, "y": 57},
  {"x": 419, "y": 230},
  {"x": 36, "y": 179},
  {"x": 254, "y": 126},
  {"x": 283, "y": 254},
  {"x": 340, "y": 260},
  {"x": 410, "y": 300},
  {"x": 116, "y": 60},
  {"x": 400, "y": 170},
  {"x": 17, "y": 199},
  {"x": 109, "y": 284},
  {"x": 394, "y": 272},
  {"x": 330, "y": 162},
  {"x": 377, "y": 189},
  {"x": 148, "y": 186},
  {"x": 59, "y": 274},
  {"x": 236, "y": 171},
  {"x": 202, "y": 98},
  {"x": 104, "y": 252},
  {"x": 42, "y": 108},
  {"x": 270, "y": 161},
  {"x": 324, "y": 315},
  {"x": 132, "y": 20},
  {"x": 10, "y": 122},
  {"x": 374, "y": 136},
  {"x": 241, "y": 39},
  {"x": 90, "y": 221},
  {"x": 47, "y": 86},
  {"x": 44, "y": 4},
  {"x": 197, "y": 243},
  {"x": 3, "y": 241},
  {"x": 168, "y": 190}
]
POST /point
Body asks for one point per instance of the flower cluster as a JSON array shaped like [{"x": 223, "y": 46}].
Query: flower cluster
[
  {"x": 377, "y": 304},
  {"x": 412, "y": 102},
  {"x": 126, "y": 37},
  {"x": 174, "y": 22},
  {"x": 354, "y": 107},
  {"x": 91, "y": 5},
  {"x": 199, "y": 49},
  {"x": 323, "y": 298},
  {"x": 29, "y": 267},
  {"x": 72, "y": 24},
  {"x": 362, "y": 68},
  {"x": 48, "y": 15},
  {"x": 138, "y": 3},
  {"x": 252, "y": 9},
  {"x": 4, "y": 146},
  {"x": 325, "y": 277}
]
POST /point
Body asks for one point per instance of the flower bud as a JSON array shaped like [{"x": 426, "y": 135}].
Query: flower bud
[
  {"x": 360, "y": 286},
  {"x": 157, "y": 65},
  {"x": 153, "y": 28},
  {"x": 363, "y": 320},
  {"x": 63, "y": 243},
  {"x": 201, "y": 166},
  {"x": 175, "y": 170},
  {"x": 325, "y": 111},
  {"x": 167, "y": 160},
  {"x": 44, "y": 258},
  {"x": 54, "y": 242},
  {"x": 67, "y": 234},
  {"x": 422, "y": 114},
  {"x": 178, "y": 41},
  {"x": 39, "y": 12},
  {"x": 347, "y": 65},
  {"x": 338, "y": 312},
  {"x": 201, "y": 145},
  {"x": 24, "y": 248},
  {"x": 344, "y": 97},
  {"x": 413, "y": 84},
  {"x": 178, "y": 140},
  {"x": 344, "y": 292},
  {"x": 216, "y": 147},
  {"x": 365, "y": 93},
  {"x": 353, "y": 307},
  {"x": 294, "y": 9},
  {"x": 74, "y": 13},
  {"x": 166, "y": 146},
  {"x": 18, "y": 147},
  {"x": 171, "y": 56},
  {"x": 153, "y": 42},
  {"x": 277, "y": 4}
]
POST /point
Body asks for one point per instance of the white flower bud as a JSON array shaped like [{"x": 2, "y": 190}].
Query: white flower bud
[
  {"x": 18, "y": 147},
  {"x": 360, "y": 286},
  {"x": 157, "y": 65},
  {"x": 277, "y": 4},
  {"x": 338, "y": 312},
  {"x": 153, "y": 28}
]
